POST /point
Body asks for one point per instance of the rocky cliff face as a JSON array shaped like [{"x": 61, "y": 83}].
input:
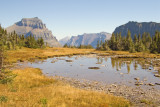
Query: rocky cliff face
[
  {"x": 34, "y": 26},
  {"x": 138, "y": 28},
  {"x": 88, "y": 39}
]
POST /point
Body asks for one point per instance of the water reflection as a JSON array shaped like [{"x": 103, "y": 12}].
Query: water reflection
[
  {"x": 99, "y": 60},
  {"x": 135, "y": 65},
  {"x": 117, "y": 63},
  {"x": 111, "y": 70},
  {"x": 125, "y": 62}
]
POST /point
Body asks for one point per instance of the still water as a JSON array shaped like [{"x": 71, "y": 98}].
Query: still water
[{"x": 112, "y": 69}]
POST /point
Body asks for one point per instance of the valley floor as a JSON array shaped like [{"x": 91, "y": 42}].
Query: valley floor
[{"x": 31, "y": 88}]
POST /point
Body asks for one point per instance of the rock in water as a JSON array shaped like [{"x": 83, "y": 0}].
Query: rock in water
[
  {"x": 34, "y": 26},
  {"x": 69, "y": 61},
  {"x": 93, "y": 68},
  {"x": 156, "y": 75}
]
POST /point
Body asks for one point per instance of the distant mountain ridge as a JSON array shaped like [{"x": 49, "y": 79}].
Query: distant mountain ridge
[
  {"x": 34, "y": 26},
  {"x": 138, "y": 28},
  {"x": 88, "y": 39},
  {"x": 64, "y": 40}
]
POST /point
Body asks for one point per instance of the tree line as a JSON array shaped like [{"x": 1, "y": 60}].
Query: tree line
[
  {"x": 13, "y": 41},
  {"x": 79, "y": 47},
  {"x": 139, "y": 43}
]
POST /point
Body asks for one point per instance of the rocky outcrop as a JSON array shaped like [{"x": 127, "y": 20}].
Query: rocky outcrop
[
  {"x": 138, "y": 28},
  {"x": 88, "y": 39},
  {"x": 34, "y": 26}
]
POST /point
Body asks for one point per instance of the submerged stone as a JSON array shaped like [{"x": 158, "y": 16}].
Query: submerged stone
[
  {"x": 156, "y": 75},
  {"x": 93, "y": 68},
  {"x": 69, "y": 60},
  {"x": 138, "y": 83},
  {"x": 150, "y": 84},
  {"x": 157, "y": 83},
  {"x": 136, "y": 78}
]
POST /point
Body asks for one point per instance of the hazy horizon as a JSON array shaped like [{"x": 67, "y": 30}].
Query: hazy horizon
[{"x": 72, "y": 18}]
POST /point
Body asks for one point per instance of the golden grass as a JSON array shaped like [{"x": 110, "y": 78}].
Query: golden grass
[
  {"x": 29, "y": 54},
  {"x": 32, "y": 89},
  {"x": 136, "y": 54}
]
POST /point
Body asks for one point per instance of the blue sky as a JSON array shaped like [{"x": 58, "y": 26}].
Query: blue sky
[{"x": 73, "y": 17}]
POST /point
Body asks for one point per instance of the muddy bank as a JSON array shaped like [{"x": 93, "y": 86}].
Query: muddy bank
[{"x": 139, "y": 97}]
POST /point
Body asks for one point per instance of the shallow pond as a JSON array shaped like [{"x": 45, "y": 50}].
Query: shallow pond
[{"x": 110, "y": 69}]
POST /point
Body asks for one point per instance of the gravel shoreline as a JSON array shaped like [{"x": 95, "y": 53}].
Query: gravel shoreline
[{"x": 136, "y": 95}]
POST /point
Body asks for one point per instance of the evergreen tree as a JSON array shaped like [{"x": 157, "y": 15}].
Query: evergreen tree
[
  {"x": 135, "y": 42},
  {"x": 101, "y": 45},
  {"x": 98, "y": 45},
  {"x": 123, "y": 43},
  {"x": 154, "y": 44},
  {"x": 40, "y": 42},
  {"x": 9, "y": 45},
  {"x": 140, "y": 47},
  {"x": 132, "y": 48},
  {"x": 112, "y": 42},
  {"x": 148, "y": 41},
  {"x": 105, "y": 46},
  {"x": 129, "y": 44},
  {"x": 1, "y": 51},
  {"x": 144, "y": 38},
  {"x": 139, "y": 37},
  {"x": 153, "y": 47},
  {"x": 158, "y": 43},
  {"x": 119, "y": 42},
  {"x": 139, "y": 44},
  {"x": 66, "y": 46}
]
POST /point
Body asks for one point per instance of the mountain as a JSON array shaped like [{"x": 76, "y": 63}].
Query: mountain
[
  {"x": 34, "y": 26},
  {"x": 88, "y": 39},
  {"x": 138, "y": 28},
  {"x": 64, "y": 40}
]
